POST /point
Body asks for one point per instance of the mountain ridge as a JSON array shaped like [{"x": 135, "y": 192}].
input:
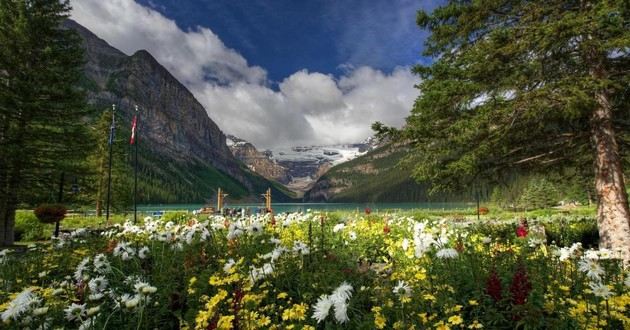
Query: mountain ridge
[{"x": 180, "y": 140}]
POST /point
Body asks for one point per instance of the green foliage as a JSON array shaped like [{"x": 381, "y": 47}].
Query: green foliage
[
  {"x": 539, "y": 193},
  {"x": 29, "y": 228},
  {"x": 42, "y": 110},
  {"x": 513, "y": 88},
  {"x": 535, "y": 191}
]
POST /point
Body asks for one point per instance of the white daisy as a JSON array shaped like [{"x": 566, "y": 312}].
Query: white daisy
[
  {"x": 600, "y": 290},
  {"x": 143, "y": 253},
  {"x": 129, "y": 301},
  {"x": 255, "y": 228},
  {"x": 75, "y": 312},
  {"x": 300, "y": 247},
  {"x": 98, "y": 284},
  {"x": 402, "y": 289},
  {"x": 592, "y": 269},
  {"x": 81, "y": 268},
  {"x": 144, "y": 288}
]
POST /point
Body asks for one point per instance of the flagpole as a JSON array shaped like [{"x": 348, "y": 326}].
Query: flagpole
[
  {"x": 135, "y": 168},
  {"x": 109, "y": 175}
]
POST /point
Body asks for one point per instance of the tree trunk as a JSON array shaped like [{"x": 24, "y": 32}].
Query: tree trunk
[
  {"x": 613, "y": 214},
  {"x": 7, "y": 224}
]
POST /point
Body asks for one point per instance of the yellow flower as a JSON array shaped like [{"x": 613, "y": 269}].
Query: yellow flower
[
  {"x": 455, "y": 320},
  {"x": 191, "y": 283},
  {"x": 441, "y": 326},
  {"x": 475, "y": 325},
  {"x": 282, "y": 295},
  {"x": 225, "y": 322},
  {"x": 428, "y": 296},
  {"x": 379, "y": 319},
  {"x": 263, "y": 321},
  {"x": 473, "y": 302},
  {"x": 203, "y": 316},
  {"x": 297, "y": 312}
]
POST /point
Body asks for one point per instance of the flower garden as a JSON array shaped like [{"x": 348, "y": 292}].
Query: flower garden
[{"x": 318, "y": 271}]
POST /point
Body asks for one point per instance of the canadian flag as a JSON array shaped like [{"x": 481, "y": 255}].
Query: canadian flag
[{"x": 133, "y": 129}]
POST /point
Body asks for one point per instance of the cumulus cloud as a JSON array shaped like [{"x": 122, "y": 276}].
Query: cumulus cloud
[{"x": 308, "y": 108}]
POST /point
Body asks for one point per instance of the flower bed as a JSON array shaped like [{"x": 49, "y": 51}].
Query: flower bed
[{"x": 310, "y": 271}]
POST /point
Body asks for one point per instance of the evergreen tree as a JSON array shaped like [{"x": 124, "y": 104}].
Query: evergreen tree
[
  {"x": 122, "y": 173},
  {"x": 527, "y": 85},
  {"x": 539, "y": 193},
  {"x": 42, "y": 132}
]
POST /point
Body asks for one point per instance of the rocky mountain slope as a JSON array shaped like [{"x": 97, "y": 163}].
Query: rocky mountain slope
[
  {"x": 259, "y": 162},
  {"x": 376, "y": 176},
  {"x": 181, "y": 144},
  {"x": 298, "y": 167}
]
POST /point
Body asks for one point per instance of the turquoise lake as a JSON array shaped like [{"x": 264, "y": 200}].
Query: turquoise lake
[{"x": 296, "y": 207}]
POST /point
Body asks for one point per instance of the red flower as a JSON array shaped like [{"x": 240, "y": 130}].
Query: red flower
[
  {"x": 521, "y": 286},
  {"x": 368, "y": 210},
  {"x": 386, "y": 229},
  {"x": 521, "y": 231},
  {"x": 493, "y": 286}
]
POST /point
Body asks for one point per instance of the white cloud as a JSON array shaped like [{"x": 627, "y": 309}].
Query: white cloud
[{"x": 309, "y": 107}]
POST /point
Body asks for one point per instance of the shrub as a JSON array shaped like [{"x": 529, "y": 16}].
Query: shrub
[
  {"x": 50, "y": 213},
  {"x": 29, "y": 228}
]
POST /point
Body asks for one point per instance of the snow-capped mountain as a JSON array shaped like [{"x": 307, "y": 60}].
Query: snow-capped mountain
[{"x": 304, "y": 164}]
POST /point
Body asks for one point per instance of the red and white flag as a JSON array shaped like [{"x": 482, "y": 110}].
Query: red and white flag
[{"x": 133, "y": 129}]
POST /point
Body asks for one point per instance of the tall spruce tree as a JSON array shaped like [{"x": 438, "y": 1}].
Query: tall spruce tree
[
  {"x": 41, "y": 108},
  {"x": 527, "y": 85}
]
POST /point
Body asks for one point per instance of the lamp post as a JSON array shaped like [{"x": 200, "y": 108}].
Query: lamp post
[{"x": 112, "y": 130}]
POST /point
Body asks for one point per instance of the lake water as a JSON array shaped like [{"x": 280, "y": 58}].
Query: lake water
[{"x": 296, "y": 207}]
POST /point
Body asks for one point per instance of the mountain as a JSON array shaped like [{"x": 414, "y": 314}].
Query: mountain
[
  {"x": 184, "y": 155},
  {"x": 376, "y": 176},
  {"x": 259, "y": 162},
  {"x": 298, "y": 167}
]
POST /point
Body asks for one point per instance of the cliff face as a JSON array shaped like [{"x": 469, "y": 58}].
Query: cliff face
[
  {"x": 260, "y": 162},
  {"x": 174, "y": 126}
]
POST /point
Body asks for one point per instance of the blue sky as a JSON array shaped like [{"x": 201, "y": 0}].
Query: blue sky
[
  {"x": 278, "y": 73},
  {"x": 284, "y": 36}
]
